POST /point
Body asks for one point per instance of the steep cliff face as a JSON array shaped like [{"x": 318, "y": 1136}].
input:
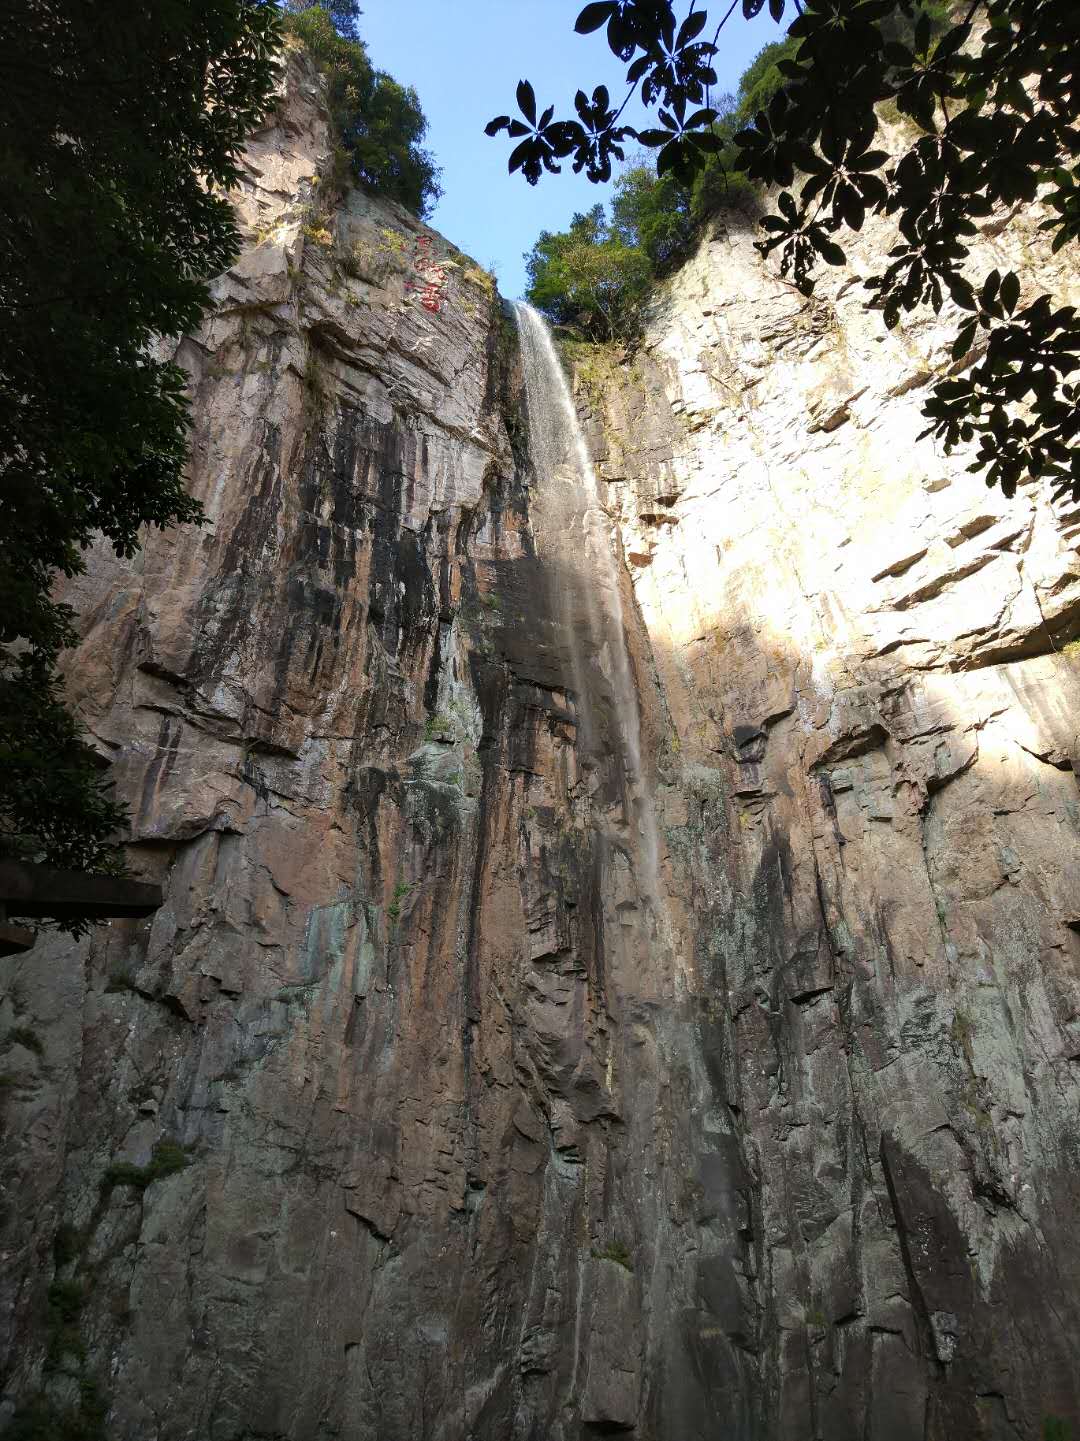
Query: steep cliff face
[
  {"x": 867, "y": 777},
  {"x": 433, "y": 1104}
]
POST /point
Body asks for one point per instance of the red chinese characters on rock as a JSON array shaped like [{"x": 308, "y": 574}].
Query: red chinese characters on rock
[{"x": 432, "y": 275}]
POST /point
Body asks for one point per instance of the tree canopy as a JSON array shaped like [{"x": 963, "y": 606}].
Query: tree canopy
[
  {"x": 990, "y": 90},
  {"x": 120, "y": 134},
  {"x": 592, "y": 275},
  {"x": 120, "y": 138},
  {"x": 345, "y": 14}
]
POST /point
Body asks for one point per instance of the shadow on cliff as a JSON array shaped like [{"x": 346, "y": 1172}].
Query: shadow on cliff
[{"x": 877, "y": 871}]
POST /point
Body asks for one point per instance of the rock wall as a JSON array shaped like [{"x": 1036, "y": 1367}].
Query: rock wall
[
  {"x": 867, "y": 729},
  {"x": 410, "y": 1117}
]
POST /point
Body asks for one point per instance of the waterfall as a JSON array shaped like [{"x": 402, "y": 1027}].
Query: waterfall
[{"x": 578, "y": 544}]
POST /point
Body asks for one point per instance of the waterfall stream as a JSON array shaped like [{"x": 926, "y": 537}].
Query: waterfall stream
[{"x": 577, "y": 542}]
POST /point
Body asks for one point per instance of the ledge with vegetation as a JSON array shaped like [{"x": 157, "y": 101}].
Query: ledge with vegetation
[{"x": 380, "y": 127}]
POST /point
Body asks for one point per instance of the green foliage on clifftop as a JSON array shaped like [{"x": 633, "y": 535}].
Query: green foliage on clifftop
[
  {"x": 380, "y": 124},
  {"x": 589, "y": 276},
  {"x": 596, "y": 275}
]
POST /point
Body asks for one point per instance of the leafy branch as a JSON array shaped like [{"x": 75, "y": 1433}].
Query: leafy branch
[{"x": 994, "y": 97}]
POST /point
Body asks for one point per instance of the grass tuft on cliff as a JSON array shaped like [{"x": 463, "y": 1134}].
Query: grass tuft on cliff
[{"x": 166, "y": 1160}]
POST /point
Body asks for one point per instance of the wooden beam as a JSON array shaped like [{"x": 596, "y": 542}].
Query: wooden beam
[
  {"x": 15, "y": 939},
  {"x": 29, "y": 890}
]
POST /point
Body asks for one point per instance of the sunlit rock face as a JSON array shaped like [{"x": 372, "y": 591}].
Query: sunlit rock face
[
  {"x": 866, "y": 720},
  {"x": 450, "y": 1110}
]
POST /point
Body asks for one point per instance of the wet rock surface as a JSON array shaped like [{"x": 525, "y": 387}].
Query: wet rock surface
[{"x": 411, "y": 1114}]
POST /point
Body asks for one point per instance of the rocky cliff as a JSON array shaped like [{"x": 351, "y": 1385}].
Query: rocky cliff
[{"x": 420, "y": 1112}]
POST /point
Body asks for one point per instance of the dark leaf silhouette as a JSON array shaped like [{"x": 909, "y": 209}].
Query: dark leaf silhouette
[
  {"x": 593, "y": 16},
  {"x": 526, "y": 101}
]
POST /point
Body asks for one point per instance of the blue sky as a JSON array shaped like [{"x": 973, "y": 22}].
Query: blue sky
[{"x": 464, "y": 58}]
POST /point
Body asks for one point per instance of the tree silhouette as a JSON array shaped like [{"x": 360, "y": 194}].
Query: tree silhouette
[{"x": 120, "y": 134}]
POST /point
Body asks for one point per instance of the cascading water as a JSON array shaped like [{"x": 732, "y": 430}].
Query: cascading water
[{"x": 577, "y": 542}]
